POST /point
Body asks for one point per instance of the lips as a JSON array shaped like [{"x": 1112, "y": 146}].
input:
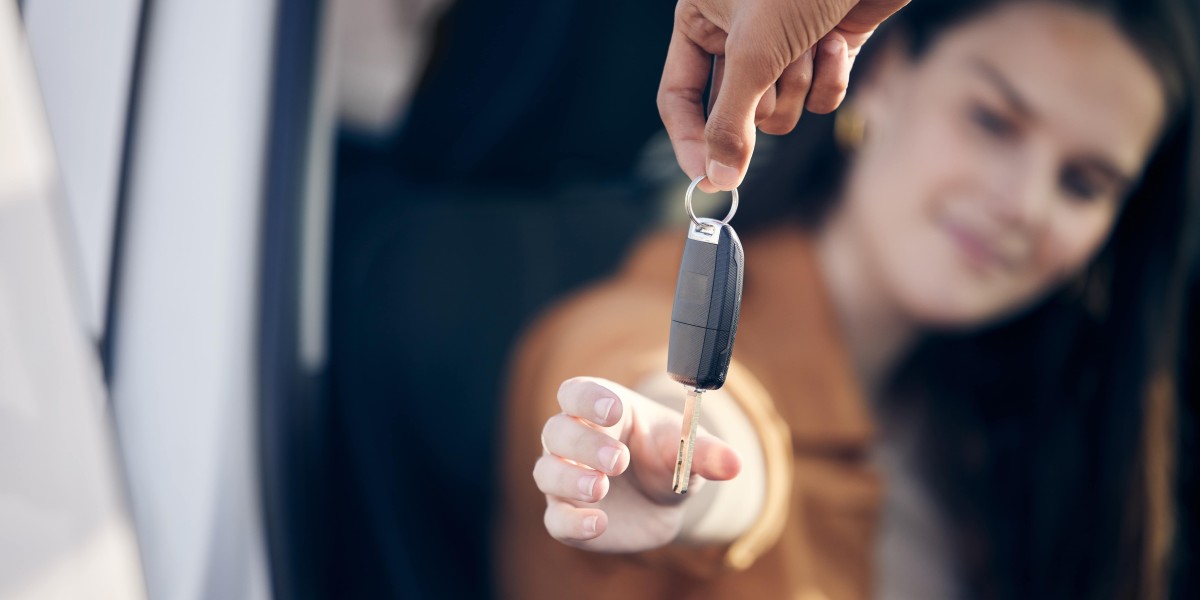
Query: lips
[{"x": 978, "y": 251}]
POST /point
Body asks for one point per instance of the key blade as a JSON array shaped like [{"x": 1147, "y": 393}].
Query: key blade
[{"x": 687, "y": 441}]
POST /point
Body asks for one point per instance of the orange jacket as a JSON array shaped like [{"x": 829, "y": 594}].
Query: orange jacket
[{"x": 791, "y": 375}]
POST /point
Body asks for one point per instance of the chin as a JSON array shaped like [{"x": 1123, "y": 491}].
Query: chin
[
  {"x": 945, "y": 306},
  {"x": 934, "y": 289},
  {"x": 949, "y": 317}
]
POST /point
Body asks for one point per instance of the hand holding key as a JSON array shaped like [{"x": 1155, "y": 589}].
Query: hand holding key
[
  {"x": 607, "y": 457},
  {"x": 765, "y": 61}
]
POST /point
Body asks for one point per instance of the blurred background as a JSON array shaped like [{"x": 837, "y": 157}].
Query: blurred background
[{"x": 261, "y": 264}]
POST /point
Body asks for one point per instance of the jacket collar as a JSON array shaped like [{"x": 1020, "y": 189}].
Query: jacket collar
[{"x": 789, "y": 326}]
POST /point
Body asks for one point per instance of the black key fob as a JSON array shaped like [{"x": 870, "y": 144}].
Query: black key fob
[{"x": 708, "y": 299}]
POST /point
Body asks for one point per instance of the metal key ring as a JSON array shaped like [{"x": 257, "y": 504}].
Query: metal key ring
[{"x": 687, "y": 203}]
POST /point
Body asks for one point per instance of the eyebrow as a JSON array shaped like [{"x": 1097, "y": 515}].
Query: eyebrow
[
  {"x": 1011, "y": 95},
  {"x": 1019, "y": 105}
]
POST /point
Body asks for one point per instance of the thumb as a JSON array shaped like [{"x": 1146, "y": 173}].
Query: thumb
[
  {"x": 712, "y": 460},
  {"x": 715, "y": 460}
]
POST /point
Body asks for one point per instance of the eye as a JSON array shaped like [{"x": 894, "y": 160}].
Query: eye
[
  {"x": 993, "y": 122},
  {"x": 1080, "y": 185}
]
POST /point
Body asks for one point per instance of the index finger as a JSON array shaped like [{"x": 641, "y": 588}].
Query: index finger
[{"x": 594, "y": 400}]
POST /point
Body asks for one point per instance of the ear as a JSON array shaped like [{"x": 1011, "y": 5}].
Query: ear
[{"x": 881, "y": 90}]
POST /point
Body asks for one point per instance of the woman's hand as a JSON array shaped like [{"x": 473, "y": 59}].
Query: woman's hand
[{"x": 607, "y": 468}]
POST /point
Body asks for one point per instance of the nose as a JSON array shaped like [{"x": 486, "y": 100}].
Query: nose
[{"x": 1022, "y": 189}]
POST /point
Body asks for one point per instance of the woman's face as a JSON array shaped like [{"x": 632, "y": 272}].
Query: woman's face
[{"x": 995, "y": 164}]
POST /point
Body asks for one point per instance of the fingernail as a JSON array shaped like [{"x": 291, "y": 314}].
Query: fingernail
[
  {"x": 589, "y": 525},
  {"x": 587, "y": 485},
  {"x": 603, "y": 407},
  {"x": 609, "y": 457},
  {"x": 723, "y": 176},
  {"x": 833, "y": 46}
]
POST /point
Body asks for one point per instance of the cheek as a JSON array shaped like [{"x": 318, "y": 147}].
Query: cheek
[
  {"x": 898, "y": 177},
  {"x": 911, "y": 259},
  {"x": 894, "y": 196},
  {"x": 889, "y": 212},
  {"x": 1069, "y": 242},
  {"x": 898, "y": 182}
]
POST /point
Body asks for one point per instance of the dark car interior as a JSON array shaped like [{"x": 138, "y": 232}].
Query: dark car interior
[{"x": 519, "y": 172}]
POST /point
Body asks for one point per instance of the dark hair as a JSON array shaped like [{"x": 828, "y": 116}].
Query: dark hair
[{"x": 1035, "y": 436}]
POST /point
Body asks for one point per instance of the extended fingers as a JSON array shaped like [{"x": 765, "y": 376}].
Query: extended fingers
[
  {"x": 556, "y": 477},
  {"x": 567, "y": 437},
  {"x": 592, "y": 399}
]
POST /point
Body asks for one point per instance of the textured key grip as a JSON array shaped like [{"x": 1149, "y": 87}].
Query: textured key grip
[{"x": 704, "y": 318}]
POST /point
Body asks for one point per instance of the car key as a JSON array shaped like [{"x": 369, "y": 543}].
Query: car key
[{"x": 704, "y": 319}]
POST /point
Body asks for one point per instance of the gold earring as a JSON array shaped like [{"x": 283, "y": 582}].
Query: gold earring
[{"x": 849, "y": 127}]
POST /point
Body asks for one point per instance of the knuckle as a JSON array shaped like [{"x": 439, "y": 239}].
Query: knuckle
[
  {"x": 552, "y": 426},
  {"x": 805, "y": 23},
  {"x": 580, "y": 437},
  {"x": 684, "y": 9},
  {"x": 832, "y": 84},
  {"x": 539, "y": 469},
  {"x": 763, "y": 112},
  {"x": 757, "y": 56},
  {"x": 692, "y": 22},
  {"x": 569, "y": 402},
  {"x": 562, "y": 392},
  {"x": 820, "y": 107},
  {"x": 827, "y": 97},
  {"x": 800, "y": 77},
  {"x": 565, "y": 389},
  {"x": 777, "y": 125},
  {"x": 827, "y": 104}
]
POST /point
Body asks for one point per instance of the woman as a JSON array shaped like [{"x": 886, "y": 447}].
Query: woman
[{"x": 953, "y": 372}]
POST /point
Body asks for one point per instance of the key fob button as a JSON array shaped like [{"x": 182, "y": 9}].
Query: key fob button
[{"x": 707, "y": 302}]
